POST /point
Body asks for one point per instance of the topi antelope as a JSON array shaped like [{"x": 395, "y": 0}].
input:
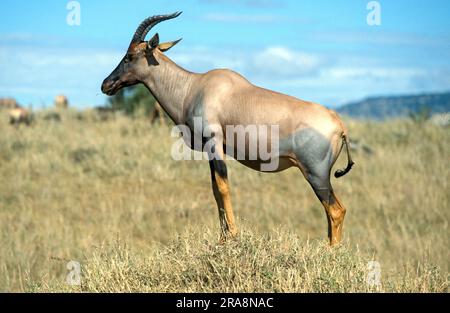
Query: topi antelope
[
  {"x": 19, "y": 115},
  {"x": 8, "y": 103},
  {"x": 61, "y": 102},
  {"x": 311, "y": 136}
]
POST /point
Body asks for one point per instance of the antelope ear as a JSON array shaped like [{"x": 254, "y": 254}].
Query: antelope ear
[
  {"x": 154, "y": 42},
  {"x": 167, "y": 45}
]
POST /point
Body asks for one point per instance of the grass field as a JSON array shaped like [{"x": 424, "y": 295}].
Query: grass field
[{"x": 108, "y": 195}]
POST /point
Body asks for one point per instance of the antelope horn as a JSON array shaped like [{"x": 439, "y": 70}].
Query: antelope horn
[{"x": 148, "y": 23}]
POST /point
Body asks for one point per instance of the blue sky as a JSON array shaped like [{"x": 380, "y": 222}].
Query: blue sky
[{"x": 322, "y": 51}]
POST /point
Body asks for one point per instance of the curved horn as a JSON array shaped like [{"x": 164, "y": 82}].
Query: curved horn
[{"x": 148, "y": 23}]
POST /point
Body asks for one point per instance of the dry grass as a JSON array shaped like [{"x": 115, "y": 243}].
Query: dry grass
[{"x": 108, "y": 194}]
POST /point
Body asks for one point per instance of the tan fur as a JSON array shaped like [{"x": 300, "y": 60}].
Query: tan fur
[
  {"x": 335, "y": 215},
  {"x": 8, "y": 103},
  {"x": 61, "y": 102},
  {"x": 19, "y": 115}
]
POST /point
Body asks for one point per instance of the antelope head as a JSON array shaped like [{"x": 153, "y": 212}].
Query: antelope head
[{"x": 139, "y": 57}]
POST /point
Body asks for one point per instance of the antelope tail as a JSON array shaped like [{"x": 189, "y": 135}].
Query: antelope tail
[{"x": 350, "y": 162}]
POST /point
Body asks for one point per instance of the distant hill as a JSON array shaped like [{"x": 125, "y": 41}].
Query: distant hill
[{"x": 396, "y": 106}]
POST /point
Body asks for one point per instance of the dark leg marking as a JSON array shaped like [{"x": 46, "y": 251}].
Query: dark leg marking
[{"x": 220, "y": 168}]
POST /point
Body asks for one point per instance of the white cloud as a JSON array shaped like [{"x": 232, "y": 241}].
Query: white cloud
[
  {"x": 371, "y": 73},
  {"x": 38, "y": 74},
  {"x": 272, "y": 62},
  {"x": 202, "y": 59},
  {"x": 282, "y": 62}
]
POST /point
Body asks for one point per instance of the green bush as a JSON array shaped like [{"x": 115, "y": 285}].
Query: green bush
[{"x": 133, "y": 101}]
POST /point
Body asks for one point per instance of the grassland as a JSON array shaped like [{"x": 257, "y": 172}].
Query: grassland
[{"x": 108, "y": 194}]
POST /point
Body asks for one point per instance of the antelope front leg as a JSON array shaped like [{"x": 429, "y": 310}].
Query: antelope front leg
[{"x": 219, "y": 178}]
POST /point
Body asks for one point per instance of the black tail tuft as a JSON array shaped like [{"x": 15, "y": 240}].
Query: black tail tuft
[{"x": 340, "y": 173}]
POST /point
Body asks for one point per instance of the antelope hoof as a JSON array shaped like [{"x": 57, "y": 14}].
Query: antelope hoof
[
  {"x": 335, "y": 242},
  {"x": 229, "y": 235}
]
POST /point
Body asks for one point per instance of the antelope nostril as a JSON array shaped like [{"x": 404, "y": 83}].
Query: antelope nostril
[{"x": 107, "y": 84}]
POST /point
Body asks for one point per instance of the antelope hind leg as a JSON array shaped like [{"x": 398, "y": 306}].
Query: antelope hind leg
[
  {"x": 316, "y": 155},
  {"x": 335, "y": 212}
]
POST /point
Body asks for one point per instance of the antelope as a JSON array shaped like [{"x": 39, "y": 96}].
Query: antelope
[
  {"x": 19, "y": 115},
  {"x": 61, "y": 102},
  {"x": 8, "y": 103},
  {"x": 311, "y": 136}
]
